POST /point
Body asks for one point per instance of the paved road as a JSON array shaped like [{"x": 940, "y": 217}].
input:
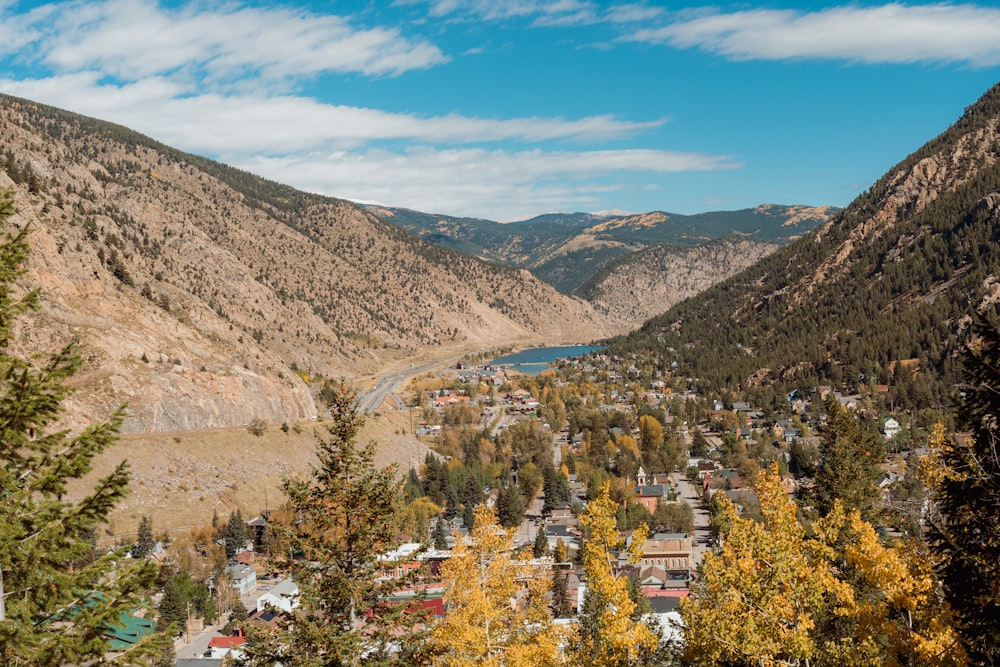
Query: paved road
[
  {"x": 702, "y": 536},
  {"x": 198, "y": 645}
]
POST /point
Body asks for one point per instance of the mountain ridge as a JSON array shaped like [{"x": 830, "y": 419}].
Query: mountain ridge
[
  {"x": 203, "y": 294},
  {"x": 895, "y": 277}
]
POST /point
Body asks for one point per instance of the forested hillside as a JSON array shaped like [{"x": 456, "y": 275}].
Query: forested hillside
[
  {"x": 880, "y": 294},
  {"x": 567, "y": 250}
]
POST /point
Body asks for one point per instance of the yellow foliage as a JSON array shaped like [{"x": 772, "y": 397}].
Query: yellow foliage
[
  {"x": 627, "y": 443},
  {"x": 497, "y": 609},
  {"x": 611, "y": 637},
  {"x": 775, "y": 596}
]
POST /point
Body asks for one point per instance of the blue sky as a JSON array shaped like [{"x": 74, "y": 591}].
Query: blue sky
[{"x": 507, "y": 109}]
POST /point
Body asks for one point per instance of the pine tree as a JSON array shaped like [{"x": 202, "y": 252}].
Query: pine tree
[
  {"x": 144, "y": 541},
  {"x": 236, "y": 534},
  {"x": 345, "y": 526},
  {"x": 848, "y": 470},
  {"x": 510, "y": 506},
  {"x": 440, "y": 535},
  {"x": 173, "y": 606},
  {"x": 964, "y": 478},
  {"x": 561, "y": 607},
  {"x": 57, "y": 600},
  {"x": 541, "y": 546}
]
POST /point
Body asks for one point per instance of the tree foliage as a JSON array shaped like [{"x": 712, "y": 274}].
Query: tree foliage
[
  {"x": 144, "y": 541},
  {"x": 848, "y": 470},
  {"x": 497, "y": 607},
  {"x": 609, "y": 635},
  {"x": 345, "y": 526},
  {"x": 58, "y": 597},
  {"x": 777, "y": 596},
  {"x": 964, "y": 478}
]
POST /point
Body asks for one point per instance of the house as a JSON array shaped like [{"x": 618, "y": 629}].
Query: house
[
  {"x": 451, "y": 399},
  {"x": 651, "y": 495},
  {"x": 671, "y": 554},
  {"x": 220, "y": 647},
  {"x": 890, "y": 428},
  {"x": 561, "y": 531},
  {"x": 741, "y": 497},
  {"x": 284, "y": 596},
  {"x": 519, "y": 395},
  {"x": 244, "y": 578},
  {"x": 244, "y": 558}
]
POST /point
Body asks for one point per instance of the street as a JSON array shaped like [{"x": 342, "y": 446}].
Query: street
[{"x": 701, "y": 538}]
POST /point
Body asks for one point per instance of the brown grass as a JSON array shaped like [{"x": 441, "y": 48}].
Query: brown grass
[{"x": 180, "y": 479}]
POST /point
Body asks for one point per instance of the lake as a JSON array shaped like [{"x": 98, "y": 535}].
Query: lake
[{"x": 537, "y": 359}]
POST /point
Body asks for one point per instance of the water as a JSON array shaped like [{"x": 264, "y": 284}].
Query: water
[{"x": 536, "y": 360}]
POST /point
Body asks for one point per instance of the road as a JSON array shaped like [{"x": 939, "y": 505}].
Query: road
[
  {"x": 701, "y": 539},
  {"x": 387, "y": 384}
]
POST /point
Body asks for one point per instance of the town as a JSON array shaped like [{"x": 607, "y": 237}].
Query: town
[{"x": 536, "y": 449}]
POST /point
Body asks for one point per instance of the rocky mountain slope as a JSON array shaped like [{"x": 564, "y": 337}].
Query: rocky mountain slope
[
  {"x": 641, "y": 285},
  {"x": 569, "y": 249},
  {"x": 203, "y": 295},
  {"x": 883, "y": 293}
]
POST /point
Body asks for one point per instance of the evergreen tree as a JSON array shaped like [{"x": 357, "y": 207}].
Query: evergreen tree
[
  {"x": 144, "y": 541},
  {"x": 236, "y": 534},
  {"x": 414, "y": 488},
  {"x": 56, "y": 599},
  {"x": 541, "y": 546},
  {"x": 173, "y": 606},
  {"x": 346, "y": 523},
  {"x": 451, "y": 503},
  {"x": 848, "y": 470},
  {"x": 561, "y": 607},
  {"x": 510, "y": 506},
  {"x": 468, "y": 515},
  {"x": 555, "y": 487},
  {"x": 440, "y": 535},
  {"x": 964, "y": 478}
]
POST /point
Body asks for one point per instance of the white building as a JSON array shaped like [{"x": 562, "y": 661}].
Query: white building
[{"x": 284, "y": 596}]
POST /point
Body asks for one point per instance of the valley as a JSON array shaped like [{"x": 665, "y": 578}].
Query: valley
[{"x": 742, "y": 381}]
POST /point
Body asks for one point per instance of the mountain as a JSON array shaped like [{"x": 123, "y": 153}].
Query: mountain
[
  {"x": 568, "y": 249},
  {"x": 635, "y": 287},
  {"x": 203, "y": 295},
  {"x": 880, "y": 294}
]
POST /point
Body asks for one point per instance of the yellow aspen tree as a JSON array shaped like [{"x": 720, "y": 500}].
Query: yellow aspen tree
[
  {"x": 755, "y": 601},
  {"x": 609, "y": 635},
  {"x": 775, "y": 595},
  {"x": 497, "y": 611},
  {"x": 893, "y": 613}
]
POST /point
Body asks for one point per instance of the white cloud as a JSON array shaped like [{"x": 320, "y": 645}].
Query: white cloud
[
  {"x": 545, "y": 13},
  {"x": 222, "y": 82},
  {"x": 131, "y": 39},
  {"x": 499, "y": 184},
  {"x": 892, "y": 33},
  {"x": 241, "y": 124}
]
